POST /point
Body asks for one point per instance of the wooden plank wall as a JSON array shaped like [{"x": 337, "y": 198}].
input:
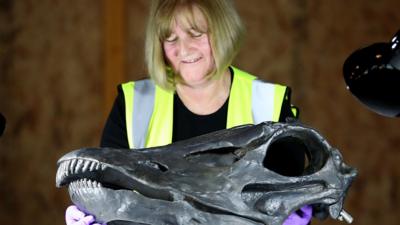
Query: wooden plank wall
[{"x": 114, "y": 49}]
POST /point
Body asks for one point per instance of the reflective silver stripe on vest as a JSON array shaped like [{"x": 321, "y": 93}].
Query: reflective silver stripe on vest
[
  {"x": 143, "y": 105},
  {"x": 262, "y": 101}
]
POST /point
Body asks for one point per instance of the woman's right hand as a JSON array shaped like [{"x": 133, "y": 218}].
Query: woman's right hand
[{"x": 74, "y": 216}]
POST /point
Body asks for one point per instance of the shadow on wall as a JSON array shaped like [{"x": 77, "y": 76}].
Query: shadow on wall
[{"x": 2, "y": 124}]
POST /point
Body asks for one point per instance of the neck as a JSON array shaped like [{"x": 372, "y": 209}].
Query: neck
[{"x": 208, "y": 97}]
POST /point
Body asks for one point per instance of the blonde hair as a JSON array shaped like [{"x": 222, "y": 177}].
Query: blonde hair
[{"x": 225, "y": 31}]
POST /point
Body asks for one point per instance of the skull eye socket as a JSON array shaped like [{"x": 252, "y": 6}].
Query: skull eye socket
[{"x": 296, "y": 153}]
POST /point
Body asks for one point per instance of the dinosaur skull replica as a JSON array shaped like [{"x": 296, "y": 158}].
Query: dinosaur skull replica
[{"x": 218, "y": 178}]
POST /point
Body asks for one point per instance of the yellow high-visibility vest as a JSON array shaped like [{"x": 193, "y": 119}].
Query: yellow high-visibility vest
[{"x": 149, "y": 108}]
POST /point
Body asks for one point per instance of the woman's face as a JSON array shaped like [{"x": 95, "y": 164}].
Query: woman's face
[{"x": 188, "y": 50}]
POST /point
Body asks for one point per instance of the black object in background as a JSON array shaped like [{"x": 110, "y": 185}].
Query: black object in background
[
  {"x": 2, "y": 124},
  {"x": 372, "y": 74}
]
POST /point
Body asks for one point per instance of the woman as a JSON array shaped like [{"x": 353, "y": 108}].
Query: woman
[{"x": 193, "y": 89}]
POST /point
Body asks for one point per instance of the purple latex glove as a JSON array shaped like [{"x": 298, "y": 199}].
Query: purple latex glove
[
  {"x": 300, "y": 217},
  {"x": 74, "y": 216}
]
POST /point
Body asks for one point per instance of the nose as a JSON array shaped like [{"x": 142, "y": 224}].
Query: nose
[{"x": 184, "y": 47}]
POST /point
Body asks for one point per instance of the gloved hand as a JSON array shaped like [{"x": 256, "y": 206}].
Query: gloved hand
[
  {"x": 74, "y": 216},
  {"x": 300, "y": 217}
]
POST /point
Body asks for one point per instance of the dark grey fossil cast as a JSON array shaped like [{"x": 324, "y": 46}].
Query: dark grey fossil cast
[{"x": 219, "y": 179}]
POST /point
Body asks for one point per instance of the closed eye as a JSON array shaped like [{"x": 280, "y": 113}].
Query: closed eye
[
  {"x": 171, "y": 38},
  {"x": 195, "y": 34}
]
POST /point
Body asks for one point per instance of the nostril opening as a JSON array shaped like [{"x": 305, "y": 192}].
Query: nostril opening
[
  {"x": 287, "y": 156},
  {"x": 297, "y": 153}
]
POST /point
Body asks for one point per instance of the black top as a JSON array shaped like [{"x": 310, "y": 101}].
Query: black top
[{"x": 186, "y": 124}]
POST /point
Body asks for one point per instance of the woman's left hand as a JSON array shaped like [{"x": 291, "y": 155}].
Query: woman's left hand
[{"x": 300, "y": 217}]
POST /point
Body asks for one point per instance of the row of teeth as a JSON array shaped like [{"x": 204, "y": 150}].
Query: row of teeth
[
  {"x": 191, "y": 60},
  {"x": 76, "y": 166},
  {"x": 84, "y": 183}
]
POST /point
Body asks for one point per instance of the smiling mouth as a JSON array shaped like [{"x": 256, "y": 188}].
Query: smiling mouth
[{"x": 191, "y": 60}]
